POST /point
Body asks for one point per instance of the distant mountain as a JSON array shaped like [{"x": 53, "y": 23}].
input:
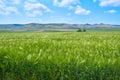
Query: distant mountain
[{"x": 39, "y": 27}]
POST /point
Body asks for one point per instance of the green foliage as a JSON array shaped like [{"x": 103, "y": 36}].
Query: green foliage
[
  {"x": 80, "y": 30},
  {"x": 84, "y": 30},
  {"x": 60, "y": 56}
]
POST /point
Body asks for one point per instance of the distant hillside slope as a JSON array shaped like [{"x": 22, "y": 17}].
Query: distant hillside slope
[{"x": 37, "y": 26}]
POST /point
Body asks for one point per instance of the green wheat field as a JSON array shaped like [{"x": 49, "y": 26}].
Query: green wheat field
[{"x": 60, "y": 55}]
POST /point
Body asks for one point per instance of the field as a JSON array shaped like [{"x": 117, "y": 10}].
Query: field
[{"x": 60, "y": 55}]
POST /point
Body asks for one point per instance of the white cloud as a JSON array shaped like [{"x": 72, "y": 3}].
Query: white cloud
[
  {"x": 6, "y": 10},
  {"x": 65, "y": 2},
  {"x": 109, "y": 2},
  {"x": 94, "y": 0},
  {"x": 16, "y": 1},
  {"x": 111, "y": 11},
  {"x": 34, "y": 13},
  {"x": 11, "y": 10},
  {"x": 32, "y": 0},
  {"x": 1, "y": 2},
  {"x": 80, "y": 10},
  {"x": 19, "y": 1},
  {"x": 70, "y": 7},
  {"x": 32, "y": 6},
  {"x": 11, "y": 2},
  {"x": 34, "y": 9}
]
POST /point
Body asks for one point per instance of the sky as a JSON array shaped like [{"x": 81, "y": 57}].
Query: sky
[{"x": 60, "y": 11}]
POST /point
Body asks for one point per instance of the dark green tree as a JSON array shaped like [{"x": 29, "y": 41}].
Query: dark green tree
[
  {"x": 79, "y": 30},
  {"x": 84, "y": 30}
]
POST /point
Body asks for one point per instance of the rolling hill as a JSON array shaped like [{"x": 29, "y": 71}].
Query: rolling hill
[{"x": 57, "y": 27}]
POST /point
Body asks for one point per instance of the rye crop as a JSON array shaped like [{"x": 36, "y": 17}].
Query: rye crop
[{"x": 60, "y": 56}]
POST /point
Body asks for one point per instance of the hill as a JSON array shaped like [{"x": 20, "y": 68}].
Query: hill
[{"x": 57, "y": 27}]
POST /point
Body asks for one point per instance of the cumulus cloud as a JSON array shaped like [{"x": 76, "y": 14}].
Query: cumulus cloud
[
  {"x": 11, "y": 10},
  {"x": 6, "y": 10},
  {"x": 32, "y": 0},
  {"x": 34, "y": 13},
  {"x": 32, "y": 6},
  {"x": 65, "y": 2},
  {"x": 94, "y": 0},
  {"x": 16, "y": 1},
  {"x": 34, "y": 9},
  {"x": 109, "y": 2},
  {"x": 1, "y": 2},
  {"x": 80, "y": 10},
  {"x": 111, "y": 11},
  {"x": 70, "y": 7}
]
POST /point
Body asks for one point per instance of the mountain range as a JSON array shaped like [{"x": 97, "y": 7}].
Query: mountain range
[{"x": 55, "y": 26}]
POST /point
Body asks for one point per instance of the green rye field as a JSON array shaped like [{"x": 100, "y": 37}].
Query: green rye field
[{"x": 60, "y": 55}]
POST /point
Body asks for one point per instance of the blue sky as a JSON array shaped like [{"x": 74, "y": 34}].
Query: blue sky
[{"x": 59, "y": 11}]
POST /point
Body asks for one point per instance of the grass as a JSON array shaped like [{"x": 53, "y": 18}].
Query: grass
[{"x": 60, "y": 56}]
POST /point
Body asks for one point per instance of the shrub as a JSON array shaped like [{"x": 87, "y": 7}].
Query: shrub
[{"x": 79, "y": 30}]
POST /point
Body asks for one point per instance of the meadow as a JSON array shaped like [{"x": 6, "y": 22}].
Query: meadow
[{"x": 60, "y": 55}]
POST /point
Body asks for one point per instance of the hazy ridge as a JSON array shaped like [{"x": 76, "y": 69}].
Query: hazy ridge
[{"x": 62, "y": 26}]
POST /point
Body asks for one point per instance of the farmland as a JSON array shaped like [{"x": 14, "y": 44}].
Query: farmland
[{"x": 60, "y": 55}]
